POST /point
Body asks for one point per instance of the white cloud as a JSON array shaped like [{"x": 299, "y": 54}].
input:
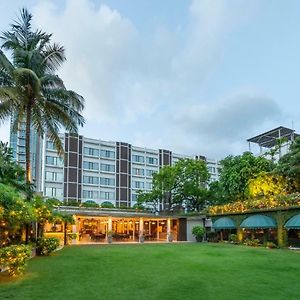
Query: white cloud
[
  {"x": 223, "y": 126},
  {"x": 135, "y": 83}
]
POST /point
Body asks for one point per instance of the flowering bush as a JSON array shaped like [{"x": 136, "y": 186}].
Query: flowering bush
[
  {"x": 14, "y": 258},
  {"x": 252, "y": 243},
  {"x": 271, "y": 245},
  {"x": 233, "y": 238},
  {"x": 47, "y": 245}
]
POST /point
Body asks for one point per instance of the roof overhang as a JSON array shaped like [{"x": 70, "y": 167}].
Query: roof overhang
[{"x": 269, "y": 139}]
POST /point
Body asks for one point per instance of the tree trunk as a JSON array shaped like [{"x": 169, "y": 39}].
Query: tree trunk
[
  {"x": 27, "y": 160},
  {"x": 65, "y": 233},
  {"x": 27, "y": 145}
]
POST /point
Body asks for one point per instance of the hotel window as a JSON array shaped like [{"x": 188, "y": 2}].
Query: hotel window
[
  {"x": 107, "y": 181},
  {"x": 90, "y": 179},
  {"x": 90, "y": 165},
  {"x": 91, "y": 151},
  {"x": 21, "y": 157},
  {"x": 107, "y": 154},
  {"x": 90, "y": 194},
  {"x": 53, "y": 192},
  {"x": 149, "y": 173},
  {"x": 54, "y": 176},
  {"x": 54, "y": 161},
  {"x": 138, "y": 171},
  {"x": 22, "y": 134},
  {"x": 21, "y": 142},
  {"x": 152, "y": 160},
  {"x": 107, "y": 168},
  {"x": 138, "y": 158},
  {"x": 148, "y": 185},
  {"x": 107, "y": 195},
  {"x": 212, "y": 169},
  {"x": 138, "y": 184},
  {"x": 21, "y": 150},
  {"x": 134, "y": 197},
  {"x": 50, "y": 145}
]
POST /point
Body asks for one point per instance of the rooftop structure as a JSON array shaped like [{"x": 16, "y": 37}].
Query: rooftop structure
[{"x": 271, "y": 138}]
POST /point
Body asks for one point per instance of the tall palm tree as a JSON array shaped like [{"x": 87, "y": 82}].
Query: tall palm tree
[{"x": 29, "y": 88}]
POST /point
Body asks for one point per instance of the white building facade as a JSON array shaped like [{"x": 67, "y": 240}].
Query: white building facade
[{"x": 97, "y": 170}]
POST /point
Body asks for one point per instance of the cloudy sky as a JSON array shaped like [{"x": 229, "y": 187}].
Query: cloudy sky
[{"x": 195, "y": 77}]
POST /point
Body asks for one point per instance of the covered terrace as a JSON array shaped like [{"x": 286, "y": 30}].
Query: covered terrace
[{"x": 95, "y": 225}]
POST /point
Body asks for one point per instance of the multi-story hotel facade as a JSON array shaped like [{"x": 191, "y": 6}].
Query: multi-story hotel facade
[{"x": 96, "y": 170}]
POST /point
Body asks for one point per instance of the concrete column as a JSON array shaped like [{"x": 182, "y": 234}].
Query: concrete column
[
  {"x": 239, "y": 233},
  {"x": 109, "y": 230},
  {"x": 141, "y": 233},
  {"x": 169, "y": 230},
  {"x": 281, "y": 234},
  {"x": 74, "y": 230},
  {"x": 265, "y": 237}
]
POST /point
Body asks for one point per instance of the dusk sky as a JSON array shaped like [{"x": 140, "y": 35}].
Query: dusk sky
[{"x": 194, "y": 77}]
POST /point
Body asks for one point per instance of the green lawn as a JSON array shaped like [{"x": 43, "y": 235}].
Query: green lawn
[{"x": 159, "y": 271}]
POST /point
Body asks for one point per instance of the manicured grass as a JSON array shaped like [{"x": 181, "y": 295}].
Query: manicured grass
[{"x": 166, "y": 271}]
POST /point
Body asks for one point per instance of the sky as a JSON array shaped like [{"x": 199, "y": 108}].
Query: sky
[{"x": 194, "y": 77}]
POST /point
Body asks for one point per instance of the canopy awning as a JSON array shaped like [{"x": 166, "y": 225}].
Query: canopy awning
[
  {"x": 258, "y": 221},
  {"x": 293, "y": 223},
  {"x": 224, "y": 223}
]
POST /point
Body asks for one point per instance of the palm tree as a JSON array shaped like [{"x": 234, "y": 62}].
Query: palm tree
[{"x": 29, "y": 89}]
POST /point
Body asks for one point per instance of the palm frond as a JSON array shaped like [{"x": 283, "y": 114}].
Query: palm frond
[
  {"x": 5, "y": 64},
  {"x": 53, "y": 56},
  {"x": 51, "y": 81}
]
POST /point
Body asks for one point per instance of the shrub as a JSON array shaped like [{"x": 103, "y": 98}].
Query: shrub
[
  {"x": 45, "y": 246},
  {"x": 252, "y": 243},
  {"x": 271, "y": 245},
  {"x": 212, "y": 236},
  {"x": 233, "y": 238},
  {"x": 14, "y": 258},
  {"x": 198, "y": 232}
]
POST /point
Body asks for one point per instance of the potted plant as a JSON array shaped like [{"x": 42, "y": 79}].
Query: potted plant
[
  {"x": 198, "y": 232},
  {"x": 109, "y": 236},
  {"x": 73, "y": 237},
  {"x": 171, "y": 236},
  {"x": 141, "y": 237}
]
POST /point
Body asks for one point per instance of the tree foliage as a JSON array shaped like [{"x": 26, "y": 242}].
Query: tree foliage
[
  {"x": 266, "y": 185},
  {"x": 30, "y": 91},
  {"x": 236, "y": 171},
  {"x": 289, "y": 166},
  {"x": 181, "y": 185}
]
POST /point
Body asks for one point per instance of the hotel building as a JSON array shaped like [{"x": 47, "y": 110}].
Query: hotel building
[{"x": 95, "y": 170}]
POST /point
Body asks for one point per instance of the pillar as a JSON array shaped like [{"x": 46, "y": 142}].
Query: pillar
[
  {"x": 281, "y": 234},
  {"x": 239, "y": 233},
  {"x": 157, "y": 229},
  {"x": 265, "y": 237},
  {"x": 169, "y": 233},
  {"x": 109, "y": 230},
  {"x": 141, "y": 233}
]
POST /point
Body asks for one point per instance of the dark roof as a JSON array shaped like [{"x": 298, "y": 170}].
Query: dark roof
[{"x": 268, "y": 139}]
